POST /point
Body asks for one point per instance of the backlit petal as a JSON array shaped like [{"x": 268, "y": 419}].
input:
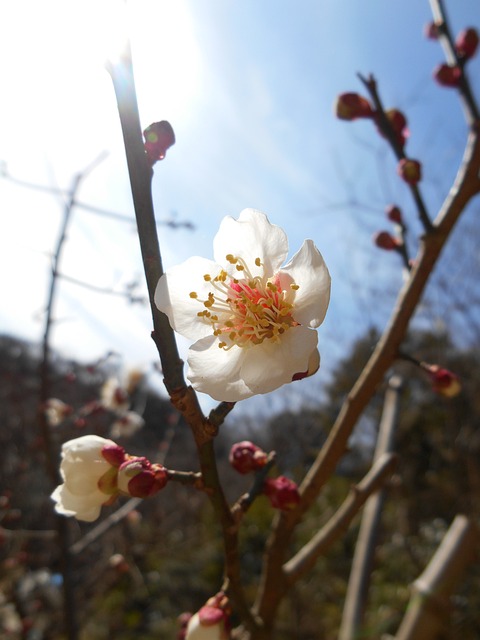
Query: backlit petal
[
  {"x": 271, "y": 365},
  {"x": 172, "y": 296},
  {"x": 215, "y": 371},
  {"x": 251, "y": 236},
  {"x": 309, "y": 271}
]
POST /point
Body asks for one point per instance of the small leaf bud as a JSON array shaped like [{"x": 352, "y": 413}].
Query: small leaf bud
[
  {"x": 410, "y": 171},
  {"x": 350, "y": 106},
  {"x": 466, "y": 43},
  {"x": 447, "y": 76},
  {"x": 444, "y": 382},
  {"x": 282, "y": 493},
  {"x": 394, "y": 214},
  {"x": 385, "y": 240},
  {"x": 159, "y": 136},
  {"x": 246, "y": 457}
]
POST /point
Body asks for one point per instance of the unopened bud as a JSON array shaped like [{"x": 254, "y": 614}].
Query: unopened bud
[
  {"x": 447, "y": 76},
  {"x": 246, "y": 457},
  {"x": 410, "y": 170},
  {"x": 282, "y": 493},
  {"x": 211, "y": 622},
  {"x": 139, "y": 478},
  {"x": 385, "y": 240},
  {"x": 159, "y": 136},
  {"x": 350, "y": 106},
  {"x": 444, "y": 382},
  {"x": 394, "y": 214},
  {"x": 466, "y": 43}
]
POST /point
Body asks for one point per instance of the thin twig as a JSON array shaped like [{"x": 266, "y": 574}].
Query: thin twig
[
  {"x": 69, "y": 603},
  {"x": 306, "y": 558},
  {"x": 466, "y": 185},
  {"x": 428, "y": 611},
  {"x": 359, "y": 580},
  {"x": 387, "y": 130},
  {"x": 183, "y": 397},
  {"x": 472, "y": 112}
]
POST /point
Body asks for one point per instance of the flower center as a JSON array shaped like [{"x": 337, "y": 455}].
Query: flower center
[{"x": 248, "y": 310}]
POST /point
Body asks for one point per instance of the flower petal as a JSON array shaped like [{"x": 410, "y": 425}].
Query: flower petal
[
  {"x": 215, "y": 371},
  {"x": 308, "y": 270},
  {"x": 270, "y": 365},
  {"x": 252, "y": 236},
  {"x": 172, "y": 296},
  {"x": 86, "y": 507}
]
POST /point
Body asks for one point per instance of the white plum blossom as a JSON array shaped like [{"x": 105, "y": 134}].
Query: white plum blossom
[
  {"x": 84, "y": 470},
  {"x": 252, "y": 321},
  {"x": 126, "y": 425}
]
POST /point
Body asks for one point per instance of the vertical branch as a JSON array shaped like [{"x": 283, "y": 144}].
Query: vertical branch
[
  {"x": 69, "y": 604},
  {"x": 140, "y": 173},
  {"x": 427, "y": 613},
  {"x": 359, "y": 581},
  {"x": 182, "y": 397}
]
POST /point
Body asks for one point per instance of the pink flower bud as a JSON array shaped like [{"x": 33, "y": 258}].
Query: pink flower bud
[
  {"x": 410, "y": 171},
  {"x": 113, "y": 454},
  {"x": 444, "y": 382},
  {"x": 282, "y": 493},
  {"x": 139, "y": 478},
  {"x": 430, "y": 31},
  {"x": 384, "y": 240},
  {"x": 466, "y": 43},
  {"x": 394, "y": 214},
  {"x": 159, "y": 136},
  {"x": 246, "y": 457},
  {"x": 447, "y": 76},
  {"x": 350, "y": 106},
  {"x": 211, "y": 622}
]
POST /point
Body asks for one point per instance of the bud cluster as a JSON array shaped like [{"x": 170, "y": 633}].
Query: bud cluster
[{"x": 466, "y": 45}]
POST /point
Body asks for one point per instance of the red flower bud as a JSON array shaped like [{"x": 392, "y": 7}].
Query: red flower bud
[
  {"x": 394, "y": 214},
  {"x": 282, "y": 493},
  {"x": 350, "y": 106},
  {"x": 444, "y": 382},
  {"x": 384, "y": 240},
  {"x": 466, "y": 43},
  {"x": 447, "y": 76},
  {"x": 159, "y": 136},
  {"x": 410, "y": 170},
  {"x": 431, "y": 31},
  {"x": 139, "y": 478},
  {"x": 113, "y": 454},
  {"x": 246, "y": 457}
]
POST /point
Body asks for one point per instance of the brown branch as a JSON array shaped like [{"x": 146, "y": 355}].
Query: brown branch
[
  {"x": 306, "y": 558},
  {"x": 184, "y": 398},
  {"x": 429, "y": 607},
  {"x": 470, "y": 106},
  {"x": 387, "y": 130},
  {"x": 359, "y": 580},
  {"x": 45, "y": 392},
  {"x": 466, "y": 185}
]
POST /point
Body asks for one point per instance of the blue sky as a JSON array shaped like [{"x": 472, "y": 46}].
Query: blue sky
[{"x": 248, "y": 86}]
